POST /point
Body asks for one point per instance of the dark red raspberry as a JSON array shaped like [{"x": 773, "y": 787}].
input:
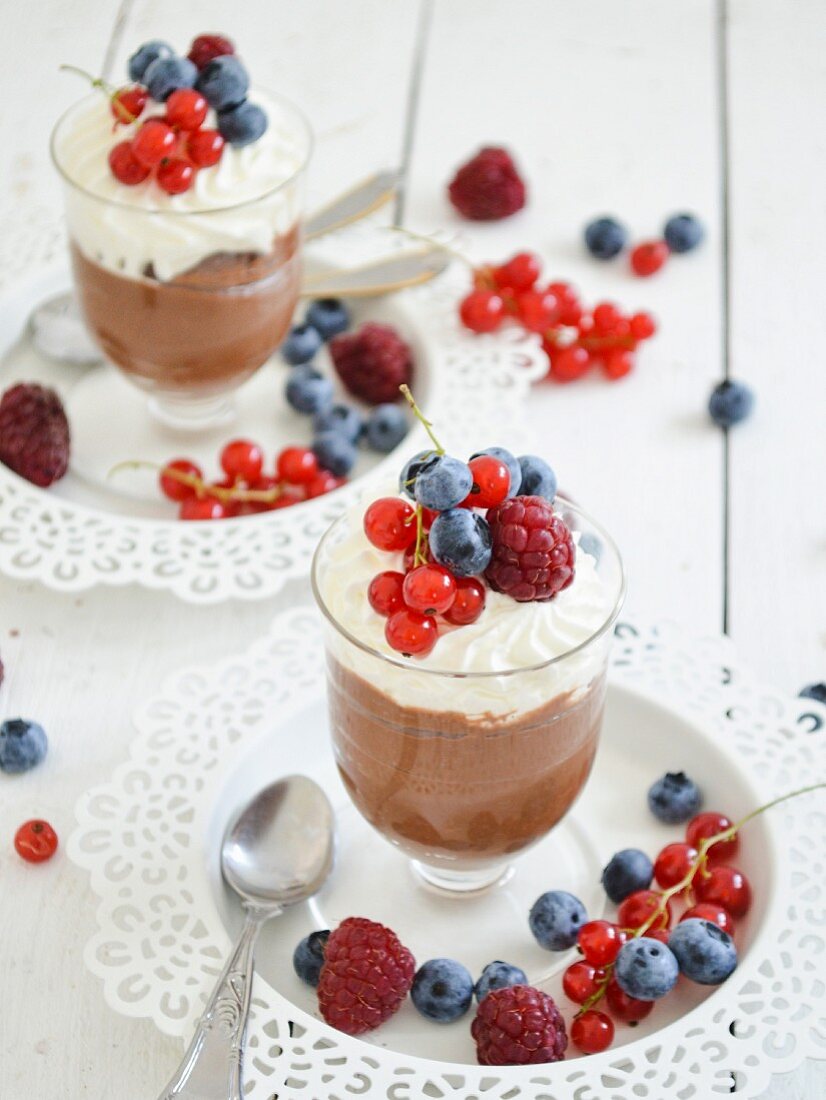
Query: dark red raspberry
[
  {"x": 518, "y": 1026},
  {"x": 366, "y": 975},
  {"x": 206, "y": 47},
  {"x": 533, "y": 552},
  {"x": 488, "y": 187},
  {"x": 372, "y": 363},
  {"x": 34, "y": 433}
]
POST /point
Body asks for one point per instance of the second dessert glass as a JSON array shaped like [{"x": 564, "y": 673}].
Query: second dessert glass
[{"x": 463, "y": 770}]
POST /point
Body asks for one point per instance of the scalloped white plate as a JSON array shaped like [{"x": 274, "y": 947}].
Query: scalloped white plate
[{"x": 150, "y": 837}]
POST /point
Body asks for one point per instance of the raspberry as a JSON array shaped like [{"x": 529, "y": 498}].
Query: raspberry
[
  {"x": 367, "y": 973},
  {"x": 34, "y": 434},
  {"x": 206, "y": 47},
  {"x": 533, "y": 552},
  {"x": 372, "y": 363},
  {"x": 518, "y": 1026},
  {"x": 488, "y": 187}
]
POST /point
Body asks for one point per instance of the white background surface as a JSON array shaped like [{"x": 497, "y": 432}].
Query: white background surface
[{"x": 609, "y": 108}]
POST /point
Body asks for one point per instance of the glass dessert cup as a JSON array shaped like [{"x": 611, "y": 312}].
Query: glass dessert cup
[
  {"x": 186, "y": 299},
  {"x": 463, "y": 771}
]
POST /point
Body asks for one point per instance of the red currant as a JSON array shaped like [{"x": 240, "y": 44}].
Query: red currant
[
  {"x": 706, "y": 910},
  {"x": 659, "y": 934},
  {"x": 606, "y": 315},
  {"x": 428, "y": 518},
  {"x": 35, "y": 841},
  {"x": 643, "y": 326},
  {"x": 285, "y": 500},
  {"x": 204, "y": 148},
  {"x": 202, "y": 508},
  {"x": 708, "y": 824},
  {"x": 586, "y": 325},
  {"x": 519, "y": 273},
  {"x": 186, "y": 109},
  {"x": 581, "y": 980},
  {"x": 673, "y": 863},
  {"x": 430, "y": 589},
  {"x": 592, "y": 1032},
  {"x": 174, "y": 489},
  {"x": 482, "y": 311},
  {"x": 635, "y": 910},
  {"x": 569, "y": 364},
  {"x": 600, "y": 942},
  {"x": 724, "y": 886},
  {"x": 618, "y": 362},
  {"x": 626, "y": 1008},
  {"x": 297, "y": 465},
  {"x": 124, "y": 166},
  {"x": 127, "y": 104},
  {"x": 323, "y": 482},
  {"x": 570, "y": 308},
  {"x": 648, "y": 257},
  {"x": 537, "y": 309},
  {"x": 242, "y": 460},
  {"x": 411, "y": 633},
  {"x": 389, "y": 523},
  {"x": 385, "y": 592},
  {"x": 491, "y": 482},
  {"x": 153, "y": 141},
  {"x": 175, "y": 175},
  {"x": 469, "y": 603}
]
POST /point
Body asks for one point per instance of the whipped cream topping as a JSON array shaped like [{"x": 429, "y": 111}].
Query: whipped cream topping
[
  {"x": 507, "y": 636},
  {"x": 231, "y": 206}
]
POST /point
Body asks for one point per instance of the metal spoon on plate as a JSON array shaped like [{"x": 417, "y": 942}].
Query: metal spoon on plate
[{"x": 276, "y": 852}]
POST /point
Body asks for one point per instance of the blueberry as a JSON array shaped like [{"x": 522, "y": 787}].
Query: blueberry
[
  {"x": 243, "y": 124},
  {"x": 730, "y": 402},
  {"x": 646, "y": 969},
  {"x": 498, "y": 975},
  {"x": 605, "y": 238},
  {"x": 590, "y": 544},
  {"x": 442, "y": 483},
  {"x": 223, "y": 82},
  {"x": 329, "y": 315},
  {"x": 538, "y": 479},
  {"x": 410, "y": 471},
  {"x": 625, "y": 872},
  {"x": 442, "y": 990},
  {"x": 386, "y": 427},
  {"x": 307, "y": 391},
  {"x": 460, "y": 540},
  {"x": 704, "y": 952},
  {"x": 675, "y": 798},
  {"x": 23, "y": 745},
  {"x": 814, "y": 691},
  {"x": 308, "y": 957},
  {"x": 334, "y": 453},
  {"x": 555, "y": 919},
  {"x": 683, "y": 232},
  {"x": 343, "y": 419},
  {"x": 168, "y": 73},
  {"x": 301, "y": 345},
  {"x": 510, "y": 461},
  {"x": 144, "y": 55}
]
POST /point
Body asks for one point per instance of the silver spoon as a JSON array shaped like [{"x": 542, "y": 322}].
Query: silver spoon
[{"x": 276, "y": 852}]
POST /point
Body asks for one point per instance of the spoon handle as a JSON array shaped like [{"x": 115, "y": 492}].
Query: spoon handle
[{"x": 211, "y": 1067}]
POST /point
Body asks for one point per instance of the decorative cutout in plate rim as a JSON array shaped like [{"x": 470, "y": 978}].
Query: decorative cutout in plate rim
[{"x": 157, "y": 957}]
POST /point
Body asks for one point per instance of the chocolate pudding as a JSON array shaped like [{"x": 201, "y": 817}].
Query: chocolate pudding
[
  {"x": 453, "y": 790},
  {"x": 204, "y": 330}
]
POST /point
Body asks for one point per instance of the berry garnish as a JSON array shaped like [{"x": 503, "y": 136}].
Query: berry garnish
[
  {"x": 174, "y": 488},
  {"x": 386, "y": 427},
  {"x": 674, "y": 798},
  {"x": 519, "y": 273},
  {"x": 482, "y": 311},
  {"x": 592, "y": 1031},
  {"x": 153, "y": 141},
  {"x": 600, "y": 941},
  {"x": 23, "y": 744},
  {"x": 460, "y": 540},
  {"x": 430, "y": 589},
  {"x": 166, "y": 74},
  {"x": 204, "y": 148},
  {"x": 537, "y": 310},
  {"x": 127, "y": 104},
  {"x": 618, "y": 362},
  {"x": 389, "y": 523},
  {"x": 555, "y": 920},
  {"x": 469, "y": 602},
  {"x": 308, "y": 391},
  {"x": 35, "y": 841},
  {"x": 442, "y": 482},
  {"x": 206, "y": 47},
  {"x": 626, "y": 872},
  {"x": 186, "y": 109},
  {"x": 536, "y": 479},
  {"x": 243, "y": 124},
  {"x": 198, "y": 508},
  {"x": 373, "y": 363},
  {"x": 442, "y": 990},
  {"x": 334, "y": 452},
  {"x": 673, "y": 863},
  {"x": 323, "y": 482},
  {"x": 704, "y": 952},
  {"x": 329, "y": 316},
  {"x": 34, "y": 434},
  {"x": 642, "y": 326},
  {"x": 569, "y": 364},
  {"x": 343, "y": 419},
  {"x": 242, "y": 460},
  {"x": 223, "y": 82},
  {"x": 385, "y": 592},
  {"x": 532, "y": 551},
  {"x": 706, "y": 910},
  {"x": 645, "y": 969},
  {"x": 297, "y": 465},
  {"x": 725, "y": 886},
  {"x": 683, "y": 232},
  {"x": 582, "y": 980},
  {"x": 625, "y": 1008},
  {"x": 729, "y": 403},
  {"x": 175, "y": 175},
  {"x": 488, "y": 187},
  {"x": 491, "y": 482},
  {"x": 308, "y": 957},
  {"x": 498, "y": 975},
  {"x": 708, "y": 824},
  {"x": 125, "y": 166},
  {"x": 518, "y": 1026},
  {"x": 411, "y": 633},
  {"x": 605, "y": 238},
  {"x": 143, "y": 57},
  {"x": 638, "y": 909},
  {"x": 649, "y": 257}
]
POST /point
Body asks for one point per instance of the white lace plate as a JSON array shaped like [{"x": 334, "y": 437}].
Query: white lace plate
[
  {"x": 149, "y": 839},
  {"x": 72, "y": 536}
]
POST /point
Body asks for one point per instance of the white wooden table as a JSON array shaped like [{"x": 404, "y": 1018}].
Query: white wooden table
[{"x": 641, "y": 109}]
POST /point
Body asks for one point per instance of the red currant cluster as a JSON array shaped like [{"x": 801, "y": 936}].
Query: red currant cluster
[
  {"x": 173, "y": 147},
  {"x": 245, "y": 489},
  {"x": 692, "y": 872},
  {"x": 574, "y": 338}
]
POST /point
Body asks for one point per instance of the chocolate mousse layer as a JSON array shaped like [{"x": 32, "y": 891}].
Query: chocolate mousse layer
[
  {"x": 201, "y": 333},
  {"x": 456, "y": 791}
]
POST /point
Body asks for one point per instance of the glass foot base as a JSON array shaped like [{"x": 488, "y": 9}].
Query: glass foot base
[
  {"x": 187, "y": 415},
  {"x": 463, "y": 883}
]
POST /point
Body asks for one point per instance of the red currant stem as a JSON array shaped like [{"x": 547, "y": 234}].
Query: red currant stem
[
  {"x": 203, "y": 488},
  {"x": 599, "y": 992},
  {"x": 592, "y": 343},
  {"x": 95, "y": 81},
  {"x": 432, "y": 242},
  {"x": 418, "y": 555},
  {"x": 417, "y": 412}
]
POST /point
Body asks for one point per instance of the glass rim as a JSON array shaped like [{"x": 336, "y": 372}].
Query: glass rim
[
  {"x": 407, "y": 664},
  {"x": 283, "y": 101}
]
